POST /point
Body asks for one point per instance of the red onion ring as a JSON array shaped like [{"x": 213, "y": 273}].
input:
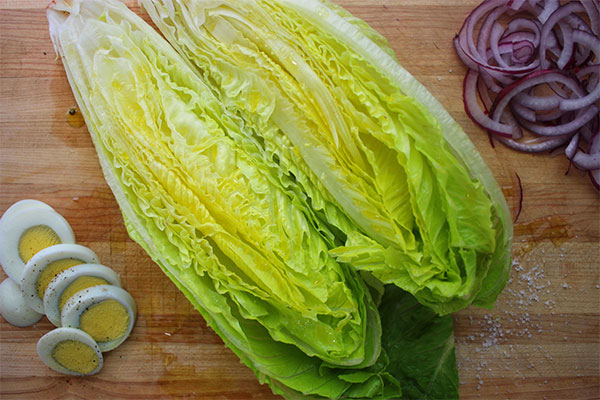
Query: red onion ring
[
  {"x": 535, "y": 79},
  {"x": 595, "y": 149},
  {"x": 534, "y": 68},
  {"x": 476, "y": 114},
  {"x": 539, "y": 146},
  {"x": 520, "y": 199},
  {"x": 572, "y": 147}
]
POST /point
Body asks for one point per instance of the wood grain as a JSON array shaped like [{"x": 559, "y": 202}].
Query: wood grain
[{"x": 542, "y": 340}]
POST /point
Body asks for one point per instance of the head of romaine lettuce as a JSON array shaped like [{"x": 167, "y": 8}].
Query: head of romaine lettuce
[{"x": 279, "y": 169}]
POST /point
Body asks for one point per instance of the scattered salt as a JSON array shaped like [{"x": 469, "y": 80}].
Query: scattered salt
[{"x": 526, "y": 287}]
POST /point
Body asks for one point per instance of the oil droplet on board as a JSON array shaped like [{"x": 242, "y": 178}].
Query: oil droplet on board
[
  {"x": 553, "y": 228},
  {"x": 74, "y": 118}
]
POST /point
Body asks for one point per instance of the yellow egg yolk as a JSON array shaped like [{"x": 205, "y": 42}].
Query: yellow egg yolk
[
  {"x": 51, "y": 270},
  {"x": 35, "y": 239},
  {"x": 105, "y": 321},
  {"x": 75, "y": 356},
  {"x": 78, "y": 285}
]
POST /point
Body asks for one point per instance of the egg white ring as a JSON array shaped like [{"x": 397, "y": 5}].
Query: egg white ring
[
  {"x": 59, "y": 284},
  {"x": 13, "y": 228},
  {"x": 86, "y": 298},
  {"x": 26, "y": 204},
  {"x": 47, "y": 343},
  {"x": 41, "y": 260},
  {"x": 13, "y": 307}
]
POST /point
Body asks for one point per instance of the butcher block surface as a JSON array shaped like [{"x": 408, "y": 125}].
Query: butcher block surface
[{"x": 542, "y": 340}]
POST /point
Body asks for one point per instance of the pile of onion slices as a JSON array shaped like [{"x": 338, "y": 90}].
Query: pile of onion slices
[{"x": 534, "y": 76}]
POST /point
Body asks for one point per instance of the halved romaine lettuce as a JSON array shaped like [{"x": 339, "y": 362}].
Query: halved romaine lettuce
[
  {"x": 360, "y": 135},
  {"x": 220, "y": 220}
]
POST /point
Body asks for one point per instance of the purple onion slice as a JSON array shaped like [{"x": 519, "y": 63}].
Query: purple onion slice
[{"x": 535, "y": 64}]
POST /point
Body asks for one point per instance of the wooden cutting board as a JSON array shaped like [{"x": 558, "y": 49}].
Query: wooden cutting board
[{"x": 542, "y": 341}]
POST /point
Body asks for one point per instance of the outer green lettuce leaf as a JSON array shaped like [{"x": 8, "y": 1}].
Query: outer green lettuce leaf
[
  {"x": 367, "y": 139},
  {"x": 419, "y": 349},
  {"x": 420, "y": 346}
]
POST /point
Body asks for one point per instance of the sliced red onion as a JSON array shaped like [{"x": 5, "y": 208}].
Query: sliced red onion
[
  {"x": 578, "y": 23},
  {"x": 523, "y": 112},
  {"x": 536, "y": 64},
  {"x": 551, "y": 116},
  {"x": 583, "y": 59},
  {"x": 486, "y": 32},
  {"x": 476, "y": 62},
  {"x": 534, "y": 79},
  {"x": 523, "y": 52},
  {"x": 518, "y": 25},
  {"x": 595, "y": 144},
  {"x": 466, "y": 48},
  {"x": 484, "y": 95},
  {"x": 567, "y": 56},
  {"x": 539, "y": 146},
  {"x": 495, "y": 35},
  {"x": 593, "y": 43},
  {"x": 593, "y": 11},
  {"x": 587, "y": 132},
  {"x": 520, "y": 198},
  {"x": 516, "y": 4},
  {"x": 548, "y": 9},
  {"x": 590, "y": 160},
  {"x": 538, "y": 103},
  {"x": 558, "y": 14},
  {"x": 509, "y": 119},
  {"x": 586, "y": 161},
  {"x": 583, "y": 117},
  {"x": 466, "y": 33},
  {"x": 572, "y": 147},
  {"x": 520, "y": 46},
  {"x": 595, "y": 149},
  {"x": 476, "y": 114},
  {"x": 520, "y": 36}
]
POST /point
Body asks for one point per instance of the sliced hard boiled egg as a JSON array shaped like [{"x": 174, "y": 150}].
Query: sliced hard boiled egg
[
  {"x": 25, "y": 229},
  {"x": 48, "y": 263},
  {"x": 71, "y": 281},
  {"x": 27, "y": 204},
  {"x": 13, "y": 307},
  {"x": 70, "y": 351},
  {"x": 107, "y": 313}
]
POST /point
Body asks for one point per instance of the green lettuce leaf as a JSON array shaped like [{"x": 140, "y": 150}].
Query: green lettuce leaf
[{"x": 420, "y": 345}]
